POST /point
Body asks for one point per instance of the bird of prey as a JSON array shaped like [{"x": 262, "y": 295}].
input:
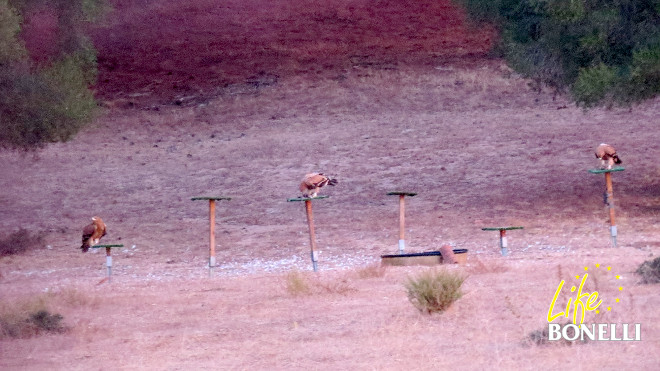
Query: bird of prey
[
  {"x": 312, "y": 182},
  {"x": 92, "y": 233},
  {"x": 607, "y": 155}
]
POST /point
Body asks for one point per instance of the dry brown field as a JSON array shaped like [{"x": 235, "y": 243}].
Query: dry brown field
[{"x": 241, "y": 99}]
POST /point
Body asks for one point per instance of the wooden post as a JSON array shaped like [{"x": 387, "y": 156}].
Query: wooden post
[
  {"x": 108, "y": 258},
  {"x": 312, "y": 234},
  {"x": 402, "y": 217},
  {"x": 504, "y": 247},
  {"x": 310, "y": 224},
  {"x": 211, "y": 227},
  {"x": 609, "y": 198}
]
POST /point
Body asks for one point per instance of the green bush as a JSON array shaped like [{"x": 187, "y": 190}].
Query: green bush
[
  {"x": 434, "y": 291},
  {"x": 650, "y": 271},
  {"x": 50, "y": 103},
  {"x": 602, "y": 51}
]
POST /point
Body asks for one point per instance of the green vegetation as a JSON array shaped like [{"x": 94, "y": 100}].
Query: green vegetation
[
  {"x": 650, "y": 271},
  {"x": 28, "y": 318},
  {"x": 434, "y": 291},
  {"x": 604, "y": 52},
  {"x": 20, "y": 242},
  {"x": 51, "y": 102}
]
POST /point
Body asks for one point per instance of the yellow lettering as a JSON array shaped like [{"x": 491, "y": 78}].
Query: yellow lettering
[
  {"x": 579, "y": 305},
  {"x": 551, "y": 317},
  {"x": 593, "y": 298}
]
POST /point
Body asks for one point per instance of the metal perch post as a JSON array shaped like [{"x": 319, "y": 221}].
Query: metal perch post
[
  {"x": 108, "y": 257},
  {"x": 503, "y": 243}
]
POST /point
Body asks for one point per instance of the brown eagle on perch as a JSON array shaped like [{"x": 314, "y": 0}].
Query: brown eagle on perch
[
  {"x": 312, "y": 182},
  {"x": 92, "y": 233},
  {"x": 607, "y": 154}
]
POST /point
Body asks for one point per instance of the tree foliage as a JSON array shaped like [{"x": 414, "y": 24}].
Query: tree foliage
[
  {"x": 603, "y": 51},
  {"x": 51, "y": 102}
]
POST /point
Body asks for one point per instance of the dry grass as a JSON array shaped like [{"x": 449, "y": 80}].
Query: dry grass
[
  {"x": 304, "y": 284},
  {"x": 20, "y": 242},
  {"x": 375, "y": 270},
  {"x": 29, "y": 317}
]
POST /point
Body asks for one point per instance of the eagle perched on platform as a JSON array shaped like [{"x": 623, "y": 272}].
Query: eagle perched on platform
[
  {"x": 607, "y": 154},
  {"x": 312, "y": 182},
  {"x": 92, "y": 233}
]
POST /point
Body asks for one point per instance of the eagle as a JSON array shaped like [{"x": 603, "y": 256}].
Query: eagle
[
  {"x": 607, "y": 154},
  {"x": 312, "y": 182},
  {"x": 92, "y": 233}
]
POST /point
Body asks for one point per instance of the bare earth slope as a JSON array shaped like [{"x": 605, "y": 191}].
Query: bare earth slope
[{"x": 463, "y": 131}]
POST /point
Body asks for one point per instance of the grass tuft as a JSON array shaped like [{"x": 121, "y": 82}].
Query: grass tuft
[
  {"x": 297, "y": 283},
  {"x": 541, "y": 338},
  {"x": 434, "y": 291},
  {"x": 29, "y": 318}
]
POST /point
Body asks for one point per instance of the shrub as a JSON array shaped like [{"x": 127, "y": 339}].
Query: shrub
[
  {"x": 296, "y": 283},
  {"x": 50, "y": 102},
  {"x": 434, "y": 291},
  {"x": 28, "y": 318},
  {"x": 650, "y": 271},
  {"x": 20, "y": 242}
]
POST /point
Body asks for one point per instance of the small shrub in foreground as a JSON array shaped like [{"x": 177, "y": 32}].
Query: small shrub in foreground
[
  {"x": 434, "y": 291},
  {"x": 650, "y": 271},
  {"x": 20, "y": 242},
  {"x": 296, "y": 283},
  {"x": 28, "y": 318}
]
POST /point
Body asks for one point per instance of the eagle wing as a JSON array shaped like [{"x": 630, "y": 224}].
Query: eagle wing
[{"x": 88, "y": 232}]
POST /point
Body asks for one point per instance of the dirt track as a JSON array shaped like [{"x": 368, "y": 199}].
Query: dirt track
[{"x": 469, "y": 135}]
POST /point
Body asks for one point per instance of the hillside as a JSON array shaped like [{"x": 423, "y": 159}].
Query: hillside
[{"x": 384, "y": 98}]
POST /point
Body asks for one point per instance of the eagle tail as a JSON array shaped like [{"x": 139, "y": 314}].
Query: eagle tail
[
  {"x": 616, "y": 159},
  {"x": 86, "y": 242},
  {"x": 332, "y": 182}
]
